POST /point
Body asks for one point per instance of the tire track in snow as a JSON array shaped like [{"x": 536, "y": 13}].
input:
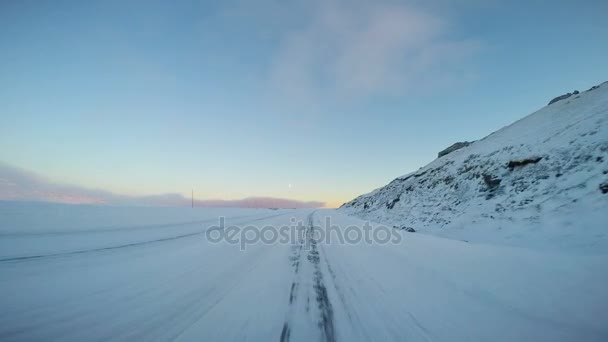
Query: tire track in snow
[
  {"x": 351, "y": 314},
  {"x": 326, "y": 322},
  {"x": 295, "y": 259},
  {"x": 326, "y": 314}
]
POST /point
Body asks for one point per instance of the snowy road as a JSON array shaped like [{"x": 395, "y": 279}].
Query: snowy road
[{"x": 168, "y": 282}]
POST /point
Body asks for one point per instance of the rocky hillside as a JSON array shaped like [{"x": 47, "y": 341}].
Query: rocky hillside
[{"x": 544, "y": 176}]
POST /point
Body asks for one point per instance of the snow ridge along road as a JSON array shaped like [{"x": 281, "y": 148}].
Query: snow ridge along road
[{"x": 168, "y": 285}]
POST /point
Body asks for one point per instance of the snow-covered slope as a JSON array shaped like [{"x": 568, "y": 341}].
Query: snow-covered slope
[{"x": 540, "y": 181}]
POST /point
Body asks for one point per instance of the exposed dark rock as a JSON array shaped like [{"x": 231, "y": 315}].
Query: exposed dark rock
[
  {"x": 604, "y": 188},
  {"x": 404, "y": 178},
  {"x": 518, "y": 163},
  {"x": 491, "y": 181},
  {"x": 454, "y": 147},
  {"x": 391, "y": 204},
  {"x": 559, "y": 98},
  {"x": 420, "y": 174},
  {"x": 575, "y": 92},
  {"x": 492, "y": 184},
  {"x": 406, "y": 228},
  {"x": 593, "y": 88}
]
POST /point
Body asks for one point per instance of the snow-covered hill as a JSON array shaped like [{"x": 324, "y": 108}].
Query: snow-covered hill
[{"x": 541, "y": 181}]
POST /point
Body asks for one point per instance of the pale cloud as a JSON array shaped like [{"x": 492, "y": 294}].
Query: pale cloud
[
  {"x": 260, "y": 202},
  {"x": 350, "y": 49},
  {"x": 17, "y": 184}
]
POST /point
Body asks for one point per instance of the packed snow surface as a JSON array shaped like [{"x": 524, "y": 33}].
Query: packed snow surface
[
  {"x": 514, "y": 249},
  {"x": 81, "y": 273},
  {"x": 541, "y": 182}
]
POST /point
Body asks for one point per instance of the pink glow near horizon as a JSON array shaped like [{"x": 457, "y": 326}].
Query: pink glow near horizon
[{"x": 22, "y": 185}]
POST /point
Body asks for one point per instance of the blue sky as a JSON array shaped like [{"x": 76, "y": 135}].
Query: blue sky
[{"x": 308, "y": 100}]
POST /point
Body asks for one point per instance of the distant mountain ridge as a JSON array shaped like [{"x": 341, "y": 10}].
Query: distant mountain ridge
[{"x": 534, "y": 176}]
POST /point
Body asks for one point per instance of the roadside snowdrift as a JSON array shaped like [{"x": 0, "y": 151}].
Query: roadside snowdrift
[{"x": 541, "y": 181}]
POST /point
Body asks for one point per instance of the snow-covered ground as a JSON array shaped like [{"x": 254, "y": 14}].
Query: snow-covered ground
[
  {"x": 79, "y": 273},
  {"x": 31, "y": 229},
  {"x": 529, "y": 201},
  {"x": 541, "y": 182}
]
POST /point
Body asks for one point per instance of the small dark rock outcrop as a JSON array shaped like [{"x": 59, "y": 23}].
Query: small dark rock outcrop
[
  {"x": 519, "y": 163},
  {"x": 406, "y": 228},
  {"x": 559, "y": 98},
  {"x": 604, "y": 188},
  {"x": 454, "y": 147},
  {"x": 491, "y": 181},
  {"x": 391, "y": 204}
]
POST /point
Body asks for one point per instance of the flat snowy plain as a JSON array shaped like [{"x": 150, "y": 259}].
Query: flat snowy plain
[{"x": 81, "y": 273}]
